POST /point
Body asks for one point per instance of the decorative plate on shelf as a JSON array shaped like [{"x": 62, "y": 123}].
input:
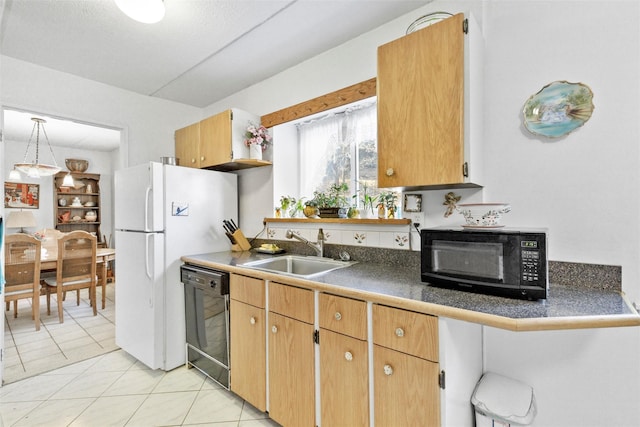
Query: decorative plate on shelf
[{"x": 558, "y": 108}]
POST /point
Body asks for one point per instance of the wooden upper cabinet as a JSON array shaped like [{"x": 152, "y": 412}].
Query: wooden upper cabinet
[
  {"x": 215, "y": 140},
  {"x": 421, "y": 107},
  {"x": 188, "y": 145}
]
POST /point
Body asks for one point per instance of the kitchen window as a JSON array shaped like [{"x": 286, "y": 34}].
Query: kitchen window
[{"x": 339, "y": 147}]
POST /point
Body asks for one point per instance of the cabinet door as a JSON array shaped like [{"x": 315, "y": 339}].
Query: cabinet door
[
  {"x": 187, "y": 142},
  {"x": 344, "y": 385},
  {"x": 215, "y": 140},
  {"x": 291, "y": 372},
  {"x": 248, "y": 353},
  {"x": 406, "y": 391},
  {"x": 421, "y": 107}
]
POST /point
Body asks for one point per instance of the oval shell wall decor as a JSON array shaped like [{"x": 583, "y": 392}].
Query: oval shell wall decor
[{"x": 558, "y": 108}]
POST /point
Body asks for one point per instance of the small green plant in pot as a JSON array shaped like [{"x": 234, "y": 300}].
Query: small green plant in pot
[
  {"x": 334, "y": 202},
  {"x": 387, "y": 204},
  {"x": 368, "y": 200},
  {"x": 311, "y": 209},
  {"x": 285, "y": 203}
]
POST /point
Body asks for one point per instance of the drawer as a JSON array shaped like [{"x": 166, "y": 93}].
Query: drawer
[
  {"x": 406, "y": 331},
  {"x": 343, "y": 315},
  {"x": 247, "y": 289},
  {"x": 296, "y": 303}
]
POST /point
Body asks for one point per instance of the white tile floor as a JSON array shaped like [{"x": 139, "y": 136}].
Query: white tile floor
[
  {"x": 112, "y": 389},
  {"x": 116, "y": 390},
  {"x": 81, "y": 336}
]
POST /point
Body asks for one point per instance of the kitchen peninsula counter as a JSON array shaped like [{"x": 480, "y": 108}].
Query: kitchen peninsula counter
[{"x": 567, "y": 307}]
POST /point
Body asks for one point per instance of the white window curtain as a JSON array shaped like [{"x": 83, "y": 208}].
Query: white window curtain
[{"x": 331, "y": 149}]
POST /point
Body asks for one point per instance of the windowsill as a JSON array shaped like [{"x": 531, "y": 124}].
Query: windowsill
[{"x": 376, "y": 221}]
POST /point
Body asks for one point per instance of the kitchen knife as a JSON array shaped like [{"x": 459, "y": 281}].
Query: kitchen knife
[
  {"x": 226, "y": 226},
  {"x": 235, "y": 227}
]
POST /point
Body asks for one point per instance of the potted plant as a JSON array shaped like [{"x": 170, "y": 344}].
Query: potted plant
[
  {"x": 285, "y": 202},
  {"x": 334, "y": 202},
  {"x": 368, "y": 201},
  {"x": 257, "y": 138},
  {"x": 387, "y": 204},
  {"x": 297, "y": 206},
  {"x": 311, "y": 209}
]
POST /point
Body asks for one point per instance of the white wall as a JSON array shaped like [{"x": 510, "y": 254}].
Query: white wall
[{"x": 148, "y": 123}]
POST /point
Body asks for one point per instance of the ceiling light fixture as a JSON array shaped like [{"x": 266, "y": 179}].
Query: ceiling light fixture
[
  {"x": 36, "y": 169},
  {"x": 145, "y": 11},
  {"x": 14, "y": 175}
]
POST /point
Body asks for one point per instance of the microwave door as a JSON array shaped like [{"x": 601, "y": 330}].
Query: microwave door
[{"x": 468, "y": 259}]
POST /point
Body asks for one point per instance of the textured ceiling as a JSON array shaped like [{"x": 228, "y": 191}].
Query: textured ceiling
[{"x": 201, "y": 52}]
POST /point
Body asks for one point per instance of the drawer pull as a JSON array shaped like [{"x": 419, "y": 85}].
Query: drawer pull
[
  {"x": 274, "y": 329},
  {"x": 338, "y": 316},
  {"x": 399, "y": 332},
  {"x": 348, "y": 356},
  {"x": 388, "y": 370},
  {"x": 202, "y": 158},
  {"x": 193, "y": 160},
  {"x": 252, "y": 320},
  {"x": 390, "y": 172}
]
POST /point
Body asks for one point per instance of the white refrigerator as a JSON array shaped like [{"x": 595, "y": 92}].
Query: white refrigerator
[{"x": 161, "y": 213}]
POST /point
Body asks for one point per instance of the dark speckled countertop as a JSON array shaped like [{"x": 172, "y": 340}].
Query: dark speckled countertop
[{"x": 567, "y": 307}]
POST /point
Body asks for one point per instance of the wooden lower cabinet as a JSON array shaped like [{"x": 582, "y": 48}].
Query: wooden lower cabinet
[
  {"x": 291, "y": 371},
  {"x": 344, "y": 380},
  {"x": 248, "y": 353},
  {"x": 406, "y": 390}
]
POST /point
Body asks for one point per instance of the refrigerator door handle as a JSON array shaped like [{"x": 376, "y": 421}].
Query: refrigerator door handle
[
  {"x": 147, "y": 265},
  {"x": 147, "y": 195}
]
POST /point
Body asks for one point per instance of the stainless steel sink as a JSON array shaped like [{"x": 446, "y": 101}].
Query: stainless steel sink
[{"x": 297, "y": 265}]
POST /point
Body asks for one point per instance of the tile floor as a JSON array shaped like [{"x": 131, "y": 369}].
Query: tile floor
[
  {"x": 112, "y": 389},
  {"x": 81, "y": 336}
]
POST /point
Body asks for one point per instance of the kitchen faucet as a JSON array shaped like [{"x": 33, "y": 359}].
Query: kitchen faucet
[{"x": 317, "y": 246}]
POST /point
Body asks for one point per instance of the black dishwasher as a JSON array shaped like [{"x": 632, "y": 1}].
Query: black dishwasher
[{"x": 206, "y": 297}]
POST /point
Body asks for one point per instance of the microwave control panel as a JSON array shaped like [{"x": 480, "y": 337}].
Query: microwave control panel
[{"x": 531, "y": 261}]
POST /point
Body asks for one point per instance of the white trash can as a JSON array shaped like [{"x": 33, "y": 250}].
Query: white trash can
[{"x": 502, "y": 401}]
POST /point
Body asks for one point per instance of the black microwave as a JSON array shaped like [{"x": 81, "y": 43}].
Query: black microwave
[{"x": 500, "y": 261}]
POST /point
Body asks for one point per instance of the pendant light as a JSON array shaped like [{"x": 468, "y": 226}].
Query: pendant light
[
  {"x": 145, "y": 11},
  {"x": 36, "y": 169},
  {"x": 67, "y": 181},
  {"x": 14, "y": 175}
]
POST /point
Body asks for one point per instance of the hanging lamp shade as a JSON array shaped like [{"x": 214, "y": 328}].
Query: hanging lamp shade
[
  {"x": 145, "y": 11},
  {"x": 35, "y": 169}
]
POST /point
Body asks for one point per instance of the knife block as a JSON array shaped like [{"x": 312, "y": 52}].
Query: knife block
[{"x": 242, "y": 244}]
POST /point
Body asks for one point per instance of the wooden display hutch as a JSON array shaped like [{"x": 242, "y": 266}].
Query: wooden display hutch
[{"x": 87, "y": 189}]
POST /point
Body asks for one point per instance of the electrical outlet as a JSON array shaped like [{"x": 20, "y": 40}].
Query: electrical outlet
[{"x": 416, "y": 218}]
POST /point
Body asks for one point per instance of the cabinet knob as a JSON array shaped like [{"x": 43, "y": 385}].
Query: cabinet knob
[
  {"x": 338, "y": 316},
  {"x": 399, "y": 332},
  {"x": 274, "y": 329},
  {"x": 202, "y": 158},
  {"x": 390, "y": 172},
  {"x": 348, "y": 356},
  {"x": 193, "y": 160},
  {"x": 252, "y": 320},
  {"x": 388, "y": 370}
]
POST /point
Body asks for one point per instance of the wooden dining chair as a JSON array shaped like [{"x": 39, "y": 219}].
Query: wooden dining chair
[
  {"x": 22, "y": 273},
  {"x": 76, "y": 269}
]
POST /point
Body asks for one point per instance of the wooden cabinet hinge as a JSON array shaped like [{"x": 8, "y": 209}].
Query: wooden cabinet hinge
[
  {"x": 465, "y": 169},
  {"x": 465, "y": 26},
  {"x": 441, "y": 380},
  {"x": 316, "y": 336},
  {"x": 231, "y": 115}
]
